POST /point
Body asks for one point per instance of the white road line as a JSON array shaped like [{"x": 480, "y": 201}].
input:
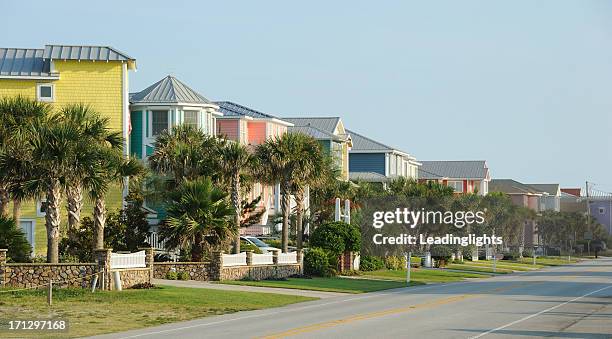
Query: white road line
[{"x": 539, "y": 313}]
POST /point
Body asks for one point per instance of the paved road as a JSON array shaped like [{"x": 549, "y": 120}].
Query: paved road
[{"x": 563, "y": 302}]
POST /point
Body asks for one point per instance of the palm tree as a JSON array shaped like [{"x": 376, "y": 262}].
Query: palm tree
[
  {"x": 279, "y": 166},
  {"x": 185, "y": 153},
  {"x": 315, "y": 168},
  {"x": 94, "y": 132},
  {"x": 16, "y": 116},
  {"x": 198, "y": 214},
  {"x": 234, "y": 161},
  {"x": 53, "y": 150},
  {"x": 110, "y": 168}
]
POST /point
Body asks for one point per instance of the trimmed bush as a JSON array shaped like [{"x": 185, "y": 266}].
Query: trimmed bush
[
  {"x": 394, "y": 262},
  {"x": 441, "y": 254},
  {"x": 336, "y": 237},
  {"x": 371, "y": 263},
  {"x": 316, "y": 263},
  {"x": 171, "y": 275},
  {"x": 183, "y": 276},
  {"x": 249, "y": 247},
  {"x": 528, "y": 253},
  {"x": 511, "y": 255}
]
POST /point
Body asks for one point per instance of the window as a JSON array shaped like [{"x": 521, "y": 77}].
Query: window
[
  {"x": 159, "y": 122},
  {"x": 191, "y": 119},
  {"x": 41, "y": 207},
  {"x": 456, "y": 185},
  {"x": 602, "y": 210},
  {"x": 45, "y": 92}
]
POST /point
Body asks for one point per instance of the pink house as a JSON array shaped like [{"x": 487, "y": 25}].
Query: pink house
[{"x": 251, "y": 127}]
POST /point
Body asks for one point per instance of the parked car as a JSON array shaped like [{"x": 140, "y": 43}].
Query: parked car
[
  {"x": 277, "y": 241},
  {"x": 263, "y": 247}
]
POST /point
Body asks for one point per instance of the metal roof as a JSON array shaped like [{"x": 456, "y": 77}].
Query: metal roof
[
  {"x": 26, "y": 62},
  {"x": 552, "y": 189},
  {"x": 233, "y": 109},
  {"x": 312, "y": 131},
  {"x": 367, "y": 176},
  {"x": 168, "y": 90},
  {"x": 96, "y": 53},
  {"x": 465, "y": 169},
  {"x": 363, "y": 143},
  {"x": 327, "y": 124},
  {"x": 510, "y": 186}
]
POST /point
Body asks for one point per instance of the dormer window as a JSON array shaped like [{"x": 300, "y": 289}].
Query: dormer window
[{"x": 45, "y": 92}]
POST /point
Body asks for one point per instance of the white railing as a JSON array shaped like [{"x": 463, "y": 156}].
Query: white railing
[
  {"x": 263, "y": 259},
  {"x": 129, "y": 260},
  {"x": 154, "y": 240},
  {"x": 234, "y": 259},
  {"x": 287, "y": 258}
]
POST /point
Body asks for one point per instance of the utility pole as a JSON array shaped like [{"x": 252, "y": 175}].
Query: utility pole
[{"x": 588, "y": 206}]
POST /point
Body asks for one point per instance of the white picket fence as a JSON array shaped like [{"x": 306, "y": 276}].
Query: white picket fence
[
  {"x": 287, "y": 258},
  {"x": 263, "y": 259},
  {"x": 154, "y": 240},
  {"x": 234, "y": 259},
  {"x": 128, "y": 260}
]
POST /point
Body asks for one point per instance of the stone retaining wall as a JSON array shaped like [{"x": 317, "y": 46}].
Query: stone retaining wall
[
  {"x": 132, "y": 276},
  {"x": 62, "y": 275},
  {"x": 259, "y": 272},
  {"x": 201, "y": 271}
]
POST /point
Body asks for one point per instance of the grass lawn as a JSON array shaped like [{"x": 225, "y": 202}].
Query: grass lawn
[
  {"x": 549, "y": 261},
  {"x": 104, "y": 312},
  {"x": 336, "y": 284},
  {"x": 423, "y": 275},
  {"x": 512, "y": 265},
  {"x": 477, "y": 268}
]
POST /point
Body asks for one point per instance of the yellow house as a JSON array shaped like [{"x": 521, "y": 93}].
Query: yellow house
[{"x": 58, "y": 74}]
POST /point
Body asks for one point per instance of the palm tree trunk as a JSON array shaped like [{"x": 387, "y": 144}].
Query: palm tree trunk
[
  {"x": 52, "y": 221},
  {"x": 299, "y": 216},
  {"x": 99, "y": 221},
  {"x": 285, "y": 208},
  {"x": 196, "y": 248},
  {"x": 236, "y": 203},
  {"x": 17, "y": 211},
  {"x": 4, "y": 202},
  {"x": 74, "y": 196}
]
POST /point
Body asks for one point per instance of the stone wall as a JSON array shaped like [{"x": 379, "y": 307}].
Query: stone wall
[
  {"x": 62, "y": 275},
  {"x": 259, "y": 272},
  {"x": 131, "y": 276},
  {"x": 201, "y": 271}
]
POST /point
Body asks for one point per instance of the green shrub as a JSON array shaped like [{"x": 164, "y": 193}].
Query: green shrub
[
  {"x": 336, "y": 237},
  {"x": 528, "y": 253},
  {"x": 371, "y": 263},
  {"x": 171, "y": 275},
  {"x": 316, "y": 263},
  {"x": 183, "y": 276},
  {"x": 13, "y": 239},
  {"x": 244, "y": 247},
  {"x": 415, "y": 262},
  {"x": 273, "y": 243},
  {"x": 441, "y": 254},
  {"x": 511, "y": 255},
  {"x": 394, "y": 262}
]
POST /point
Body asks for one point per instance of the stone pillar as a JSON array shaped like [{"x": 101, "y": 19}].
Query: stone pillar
[
  {"x": 249, "y": 258},
  {"x": 300, "y": 260},
  {"x": 3, "y": 267},
  {"x": 216, "y": 265},
  {"x": 275, "y": 257},
  {"x": 149, "y": 260},
  {"x": 103, "y": 258}
]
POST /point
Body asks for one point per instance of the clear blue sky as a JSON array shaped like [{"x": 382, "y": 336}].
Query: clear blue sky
[{"x": 526, "y": 85}]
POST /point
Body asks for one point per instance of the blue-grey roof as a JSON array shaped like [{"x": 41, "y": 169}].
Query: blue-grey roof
[
  {"x": 312, "y": 131},
  {"x": 470, "y": 169},
  {"x": 168, "y": 90},
  {"x": 510, "y": 186},
  {"x": 96, "y": 53},
  {"x": 23, "y": 62},
  {"x": 232, "y": 109},
  {"x": 368, "y": 177},
  {"x": 327, "y": 124},
  {"x": 363, "y": 143}
]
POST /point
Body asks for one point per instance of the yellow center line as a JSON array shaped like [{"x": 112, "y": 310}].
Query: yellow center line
[{"x": 399, "y": 310}]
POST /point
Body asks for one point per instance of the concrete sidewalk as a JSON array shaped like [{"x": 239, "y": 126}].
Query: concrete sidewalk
[{"x": 216, "y": 286}]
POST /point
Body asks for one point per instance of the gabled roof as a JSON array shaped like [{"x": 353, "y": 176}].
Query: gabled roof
[
  {"x": 312, "y": 131},
  {"x": 367, "y": 176},
  {"x": 327, "y": 124},
  {"x": 510, "y": 186},
  {"x": 95, "y": 53},
  {"x": 552, "y": 189},
  {"x": 23, "y": 62},
  {"x": 232, "y": 109},
  {"x": 363, "y": 143},
  {"x": 169, "y": 90},
  {"x": 463, "y": 169}
]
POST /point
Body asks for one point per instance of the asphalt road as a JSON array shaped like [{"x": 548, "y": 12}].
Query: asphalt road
[{"x": 561, "y": 302}]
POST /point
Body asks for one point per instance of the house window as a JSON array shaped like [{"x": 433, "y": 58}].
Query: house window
[
  {"x": 191, "y": 119},
  {"x": 159, "y": 122},
  {"x": 602, "y": 210},
  {"x": 41, "y": 207},
  {"x": 45, "y": 92},
  {"x": 456, "y": 185}
]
